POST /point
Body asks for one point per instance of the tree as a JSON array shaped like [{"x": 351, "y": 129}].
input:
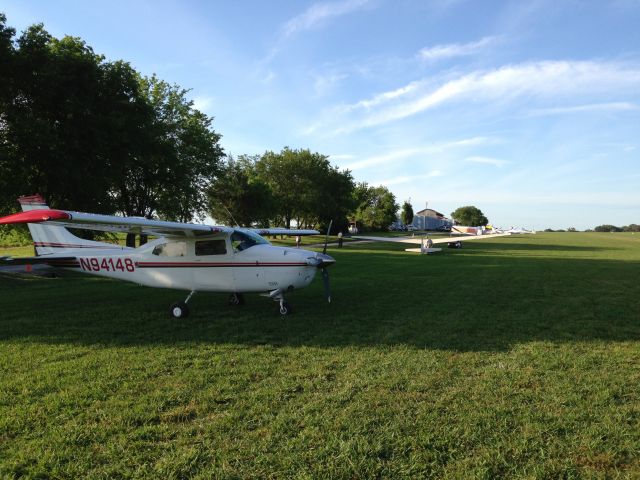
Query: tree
[
  {"x": 177, "y": 157},
  {"x": 470, "y": 216},
  {"x": 376, "y": 207},
  {"x": 407, "y": 213},
  {"x": 238, "y": 195},
  {"x": 607, "y": 228},
  {"x": 307, "y": 189},
  {"x": 97, "y": 136},
  {"x": 52, "y": 129}
]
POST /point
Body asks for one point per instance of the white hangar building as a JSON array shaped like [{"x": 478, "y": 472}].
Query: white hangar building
[{"x": 429, "y": 219}]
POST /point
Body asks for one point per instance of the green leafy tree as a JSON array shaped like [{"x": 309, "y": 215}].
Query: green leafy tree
[
  {"x": 407, "y": 213},
  {"x": 177, "y": 157},
  {"x": 52, "y": 125},
  {"x": 376, "y": 207},
  {"x": 97, "y": 136},
  {"x": 238, "y": 195},
  {"x": 607, "y": 228},
  {"x": 307, "y": 189},
  {"x": 471, "y": 216}
]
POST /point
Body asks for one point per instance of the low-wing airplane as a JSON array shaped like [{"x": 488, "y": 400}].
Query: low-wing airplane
[
  {"x": 426, "y": 242},
  {"x": 185, "y": 256}
]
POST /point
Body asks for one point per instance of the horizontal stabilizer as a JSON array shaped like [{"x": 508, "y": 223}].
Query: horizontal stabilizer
[
  {"x": 423, "y": 250},
  {"x": 53, "y": 261}
]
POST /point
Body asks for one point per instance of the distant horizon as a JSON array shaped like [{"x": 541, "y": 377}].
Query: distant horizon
[{"x": 528, "y": 111}]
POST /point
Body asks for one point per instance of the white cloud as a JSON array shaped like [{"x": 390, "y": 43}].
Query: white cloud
[
  {"x": 384, "y": 97},
  {"x": 326, "y": 83},
  {"x": 594, "y": 107},
  {"x": 422, "y": 150},
  {"x": 202, "y": 103},
  {"x": 409, "y": 178},
  {"x": 529, "y": 81},
  {"x": 496, "y": 162},
  {"x": 318, "y": 13},
  {"x": 440, "y": 52}
]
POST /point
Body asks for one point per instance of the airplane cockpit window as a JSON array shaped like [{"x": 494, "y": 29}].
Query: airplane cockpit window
[
  {"x": 243, "y": 240},
  {"x": 172, "y": 249},
  {"x": 211, "y": 247}
]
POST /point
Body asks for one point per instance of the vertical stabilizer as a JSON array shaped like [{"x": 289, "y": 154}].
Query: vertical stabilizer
[{"x": 52, "y": 239}]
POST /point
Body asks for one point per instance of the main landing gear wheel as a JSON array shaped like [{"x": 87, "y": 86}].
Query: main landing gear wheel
[
  {"x": 236, "y": 299},
  {"x": 179, "y": 310},
  {"x": 285, "y": 308}
]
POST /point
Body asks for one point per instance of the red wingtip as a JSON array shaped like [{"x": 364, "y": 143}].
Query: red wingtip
[{"x": 35, "y": 216}]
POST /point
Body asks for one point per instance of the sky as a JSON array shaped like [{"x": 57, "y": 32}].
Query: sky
[{"x": 528, "y": 110}]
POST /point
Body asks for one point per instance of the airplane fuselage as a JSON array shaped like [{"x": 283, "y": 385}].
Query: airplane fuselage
[{"x": 260, "y": 268}]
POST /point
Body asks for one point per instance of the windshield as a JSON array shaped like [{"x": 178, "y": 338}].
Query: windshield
[{"x": 243, "y": 240}]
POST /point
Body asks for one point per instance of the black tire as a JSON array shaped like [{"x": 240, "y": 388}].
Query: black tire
[
  {"x": 179, "y": 310},
  {"x": 285, "y": 309},
  {"x": 236, "y": 299}
]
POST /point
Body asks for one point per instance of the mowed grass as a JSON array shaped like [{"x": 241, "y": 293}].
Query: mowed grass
[{"x": 515, "y": 358}]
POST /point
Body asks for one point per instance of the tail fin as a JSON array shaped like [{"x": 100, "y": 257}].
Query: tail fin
[{"x": 52, "y": 239}]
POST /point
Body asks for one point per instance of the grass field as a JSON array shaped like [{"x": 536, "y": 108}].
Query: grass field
[{"x": 516, "y": 358}]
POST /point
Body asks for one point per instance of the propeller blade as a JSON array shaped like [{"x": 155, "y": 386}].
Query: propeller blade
[
  {"x": 327, "y": 288},
  {"x": 326, "y": 239}
]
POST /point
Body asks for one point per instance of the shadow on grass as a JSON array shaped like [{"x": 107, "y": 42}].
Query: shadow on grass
[
  {"x": 450, "y": 302},
  {"x": 508, "y": 246}
]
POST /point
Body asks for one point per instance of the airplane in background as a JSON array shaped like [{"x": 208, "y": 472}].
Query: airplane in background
[
  {"x": 426, "y": 242},
  {"x": 518, "y": 230},
  {"x": 185, "y": 256}
]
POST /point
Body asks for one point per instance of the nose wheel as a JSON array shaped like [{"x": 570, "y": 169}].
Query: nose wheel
[
  {"x": 285, "y": 308},
  {"x": 278, "y": 296}
]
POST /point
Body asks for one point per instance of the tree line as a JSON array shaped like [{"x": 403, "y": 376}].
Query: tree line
[
  {"x": 96, "y": 135},
  {"x": 612, "y": 228}
]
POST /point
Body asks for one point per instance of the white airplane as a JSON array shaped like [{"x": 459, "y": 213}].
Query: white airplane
[
  {"x": 518, "y": 230},
  {"x": 426, "y": 242},
  {"x": 195, "y": 258}
]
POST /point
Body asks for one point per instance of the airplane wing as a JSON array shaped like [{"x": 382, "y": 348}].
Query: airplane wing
[
  {"x": 111, "y": 223},
  {"x": 417, "y": 240}
]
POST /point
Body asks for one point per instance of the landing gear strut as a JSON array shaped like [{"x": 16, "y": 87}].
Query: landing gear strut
[
  {"x": 236, "y": 299},
  {"x": 180, "y": 309},
  {"x": 278, "y": 296}
]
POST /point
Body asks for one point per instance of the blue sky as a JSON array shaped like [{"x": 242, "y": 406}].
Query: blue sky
[{"x": 528, "y": 110}]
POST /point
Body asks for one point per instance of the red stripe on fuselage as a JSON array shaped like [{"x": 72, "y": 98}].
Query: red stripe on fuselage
[{"x": 216, "y": 264}]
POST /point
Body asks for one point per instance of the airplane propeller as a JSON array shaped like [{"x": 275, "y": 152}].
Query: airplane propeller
[{"x": 323, "y": 265}]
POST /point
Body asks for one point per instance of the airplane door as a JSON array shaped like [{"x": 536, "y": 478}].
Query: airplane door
[
  {"x": 214, "y": 265},
  {"x": 247, "y": 258},
  {"x": 249, "y": 275}
]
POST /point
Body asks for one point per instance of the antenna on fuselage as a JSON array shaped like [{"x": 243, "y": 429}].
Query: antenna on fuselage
[{"x": 231, "y": 215}]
